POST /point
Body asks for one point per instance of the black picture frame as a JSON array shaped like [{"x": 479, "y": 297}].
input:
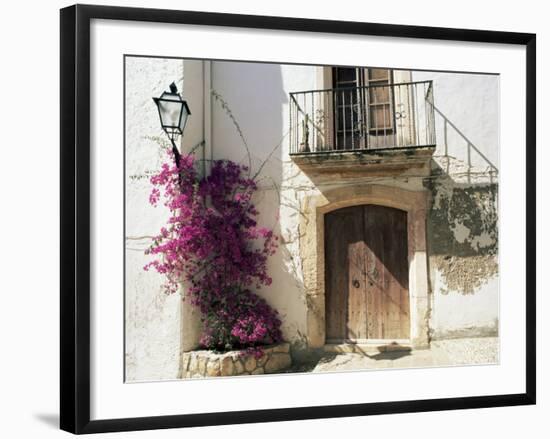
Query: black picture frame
[{"x": 75, "y": 217}]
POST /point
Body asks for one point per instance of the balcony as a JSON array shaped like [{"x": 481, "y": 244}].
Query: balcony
[{"x": 390, "y": 126}]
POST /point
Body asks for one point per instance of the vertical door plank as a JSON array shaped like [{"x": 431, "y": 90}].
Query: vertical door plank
[
  {"x": 357, "y": 312},
  {"x": 387, "y": 272},
  {"x": 343, "y": 265},
  {"x": 373, "y": 272}
]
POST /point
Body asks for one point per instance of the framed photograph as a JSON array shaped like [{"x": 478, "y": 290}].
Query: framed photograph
[{"x": 275, "y": 218}]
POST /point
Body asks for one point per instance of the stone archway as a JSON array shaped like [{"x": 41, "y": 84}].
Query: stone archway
[{"x": 312, "y": 252}]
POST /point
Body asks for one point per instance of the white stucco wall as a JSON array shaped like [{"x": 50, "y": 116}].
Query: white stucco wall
[
  {"x": 154, "y": 320},
  {"x": 455, "y": 314},
  {"x": 469, "y": 104},
  {"x": 257, "y": 96}
]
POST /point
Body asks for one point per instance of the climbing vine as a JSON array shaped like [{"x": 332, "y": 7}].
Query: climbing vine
[{"x": 213, "y": 243}]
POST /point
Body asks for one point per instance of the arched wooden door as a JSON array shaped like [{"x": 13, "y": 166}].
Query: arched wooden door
[{"x": 366, "y": 274}]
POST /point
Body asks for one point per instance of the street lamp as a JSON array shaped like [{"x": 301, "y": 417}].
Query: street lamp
[{"x": 173, "y": 114}]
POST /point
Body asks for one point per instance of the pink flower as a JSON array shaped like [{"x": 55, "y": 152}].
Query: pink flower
[
  {"x": 212, "y": 241},
  {"x": 154, "y": 196}
]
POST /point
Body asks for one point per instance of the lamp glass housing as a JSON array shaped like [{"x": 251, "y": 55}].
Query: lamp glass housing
[{"x": 173, "y": 113}]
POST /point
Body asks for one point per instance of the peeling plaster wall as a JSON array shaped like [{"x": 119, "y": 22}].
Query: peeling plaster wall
[
  {"x": 463, "y": 220},
  {"x": 463, "y": 256}
]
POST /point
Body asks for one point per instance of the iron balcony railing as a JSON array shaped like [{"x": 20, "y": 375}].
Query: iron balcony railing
[{"x": 362, "y": 118}]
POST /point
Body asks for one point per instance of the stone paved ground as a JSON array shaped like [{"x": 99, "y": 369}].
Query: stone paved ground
[{"x": 441, "y": 353}]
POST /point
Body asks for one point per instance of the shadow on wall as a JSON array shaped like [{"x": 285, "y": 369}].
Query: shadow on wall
[
  {"x": 255, "y": 98},
  {"x": 471, "y": 151},
  {"x": 253, "y": 121},
  {"x": 462, "y": 224}
]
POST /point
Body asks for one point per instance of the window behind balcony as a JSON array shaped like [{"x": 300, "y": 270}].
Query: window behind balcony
[
  {"x": 360, "y": 112},
  {"x": 379, "y": 100}
]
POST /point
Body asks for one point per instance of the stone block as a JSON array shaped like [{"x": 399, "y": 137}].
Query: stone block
[
  {"x": 213, "y": 368},
  {"x": 238, "y": 367},
  {"x": 277, "y": 362},
  {"x": 193, "y": 362},
  {"x": 262, "y": 360},
  {"x": 185, "y": 361},
  {"x": 226, "y": 366},
  {"x": 249, "y": 363},
  {"x": 201, "y": 364}
]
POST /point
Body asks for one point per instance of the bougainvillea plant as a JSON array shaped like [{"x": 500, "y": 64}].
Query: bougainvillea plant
[{"x": 213, "y": 244}]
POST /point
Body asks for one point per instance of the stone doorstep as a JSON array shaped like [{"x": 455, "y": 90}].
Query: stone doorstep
[
  {"x": 372, "y": 347},
  {"x": 204, "y": 363}
]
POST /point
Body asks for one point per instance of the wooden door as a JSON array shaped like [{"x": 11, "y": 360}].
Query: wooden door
[{"x": 366, "y": 274}]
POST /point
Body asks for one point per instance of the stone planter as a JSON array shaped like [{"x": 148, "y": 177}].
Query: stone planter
[{"x": 200, "y": 364}]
